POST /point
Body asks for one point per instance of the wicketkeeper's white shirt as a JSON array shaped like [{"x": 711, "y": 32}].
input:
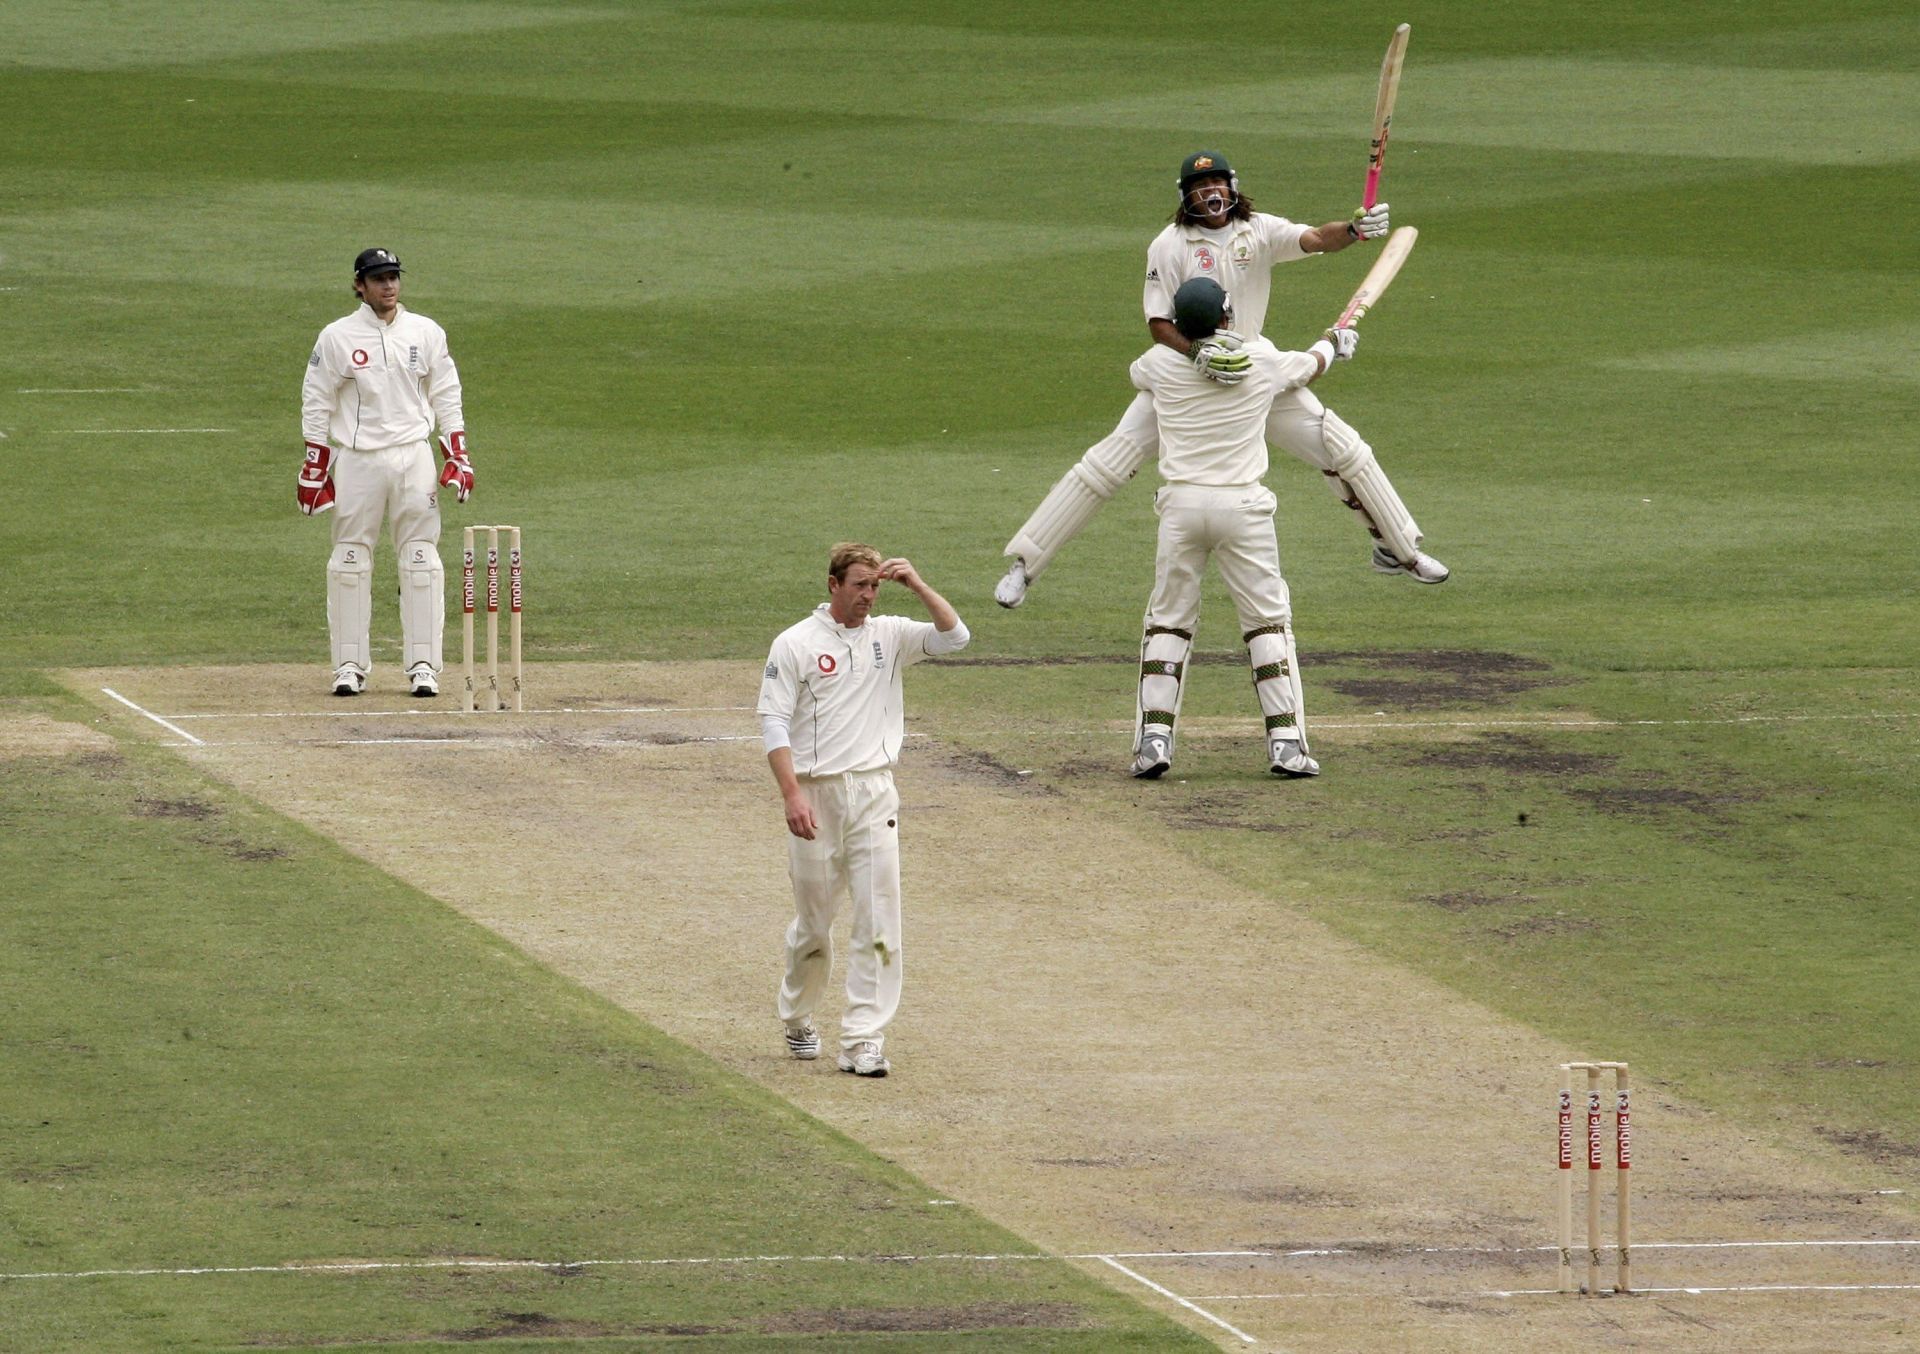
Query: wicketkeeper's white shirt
[
  {"x": 371, "y": 386},
  {"x": 1210, "y": 433},
  {"x": 1239, "y": 256},
  {"x": 840, "y": 690}
]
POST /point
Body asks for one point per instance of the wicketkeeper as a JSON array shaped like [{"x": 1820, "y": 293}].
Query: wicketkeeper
[
  {"x": 1216, "y": 234},
  {"x": 378, "y": 382}
]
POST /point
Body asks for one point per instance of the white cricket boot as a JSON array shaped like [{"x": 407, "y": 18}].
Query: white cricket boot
[
  {"x": 1424, "y": 569},
  {"x": 423, "y": 682},
  {"x": 1011, "y": 590},
  {"x": 864, "y": 1060},
  {"x": 1154, "y": 757},
  {"x": 803, "y": 1041},
  {"x": 1287, "y": 758},
  {"x": 348, "y": 680}
]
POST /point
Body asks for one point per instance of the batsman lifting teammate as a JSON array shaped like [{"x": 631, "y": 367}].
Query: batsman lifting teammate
[
  {"x": 1213, "y": 453},
  {"x": 378, "y": 382},
  {"x": 1216, "y": 234}
]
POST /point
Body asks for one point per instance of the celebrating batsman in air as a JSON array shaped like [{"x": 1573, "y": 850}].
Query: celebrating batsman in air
[
  {"x": 378, "y": 382},
  {"x": 1216, "y": 234},
  {"x": 831, "y": 712}
]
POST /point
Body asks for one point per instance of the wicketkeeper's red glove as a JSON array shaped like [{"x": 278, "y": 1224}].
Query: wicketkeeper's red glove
[
  {"x": 315, "y": 489},
  {"x": 457, "y": 473}
]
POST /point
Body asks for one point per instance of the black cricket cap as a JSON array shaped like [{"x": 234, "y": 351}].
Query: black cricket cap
[{"x": 376, "y": 261}]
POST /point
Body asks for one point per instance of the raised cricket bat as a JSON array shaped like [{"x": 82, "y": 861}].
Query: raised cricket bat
[
  {"x": 1379, "y": 277},
  {"x": 1383, "y": 110}
]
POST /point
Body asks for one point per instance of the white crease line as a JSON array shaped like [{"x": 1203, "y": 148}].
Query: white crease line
[
  {"x": 1638, "y": 1246},
  {"x": 1390, "y": 723},
  {"x": 455, "y": 714},
  {"x": 102, "y": 431},
  {"x": 84, "y": 390},
  {"x": 1375, "y": 1295},
  {"x": 374, "y": 1266},
  {"x": 479, "y": 742},
  {"x": 171, "y": 728},
  {"x": 1107, "y": 1257},
  {"x": 1169, "y": 1293}
]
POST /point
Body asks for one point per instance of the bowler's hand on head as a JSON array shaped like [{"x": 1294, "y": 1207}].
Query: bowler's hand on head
[{"x": 900, "y": 571}]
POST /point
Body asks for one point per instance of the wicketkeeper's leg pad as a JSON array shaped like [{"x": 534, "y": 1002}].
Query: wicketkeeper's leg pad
[
  {"x": 1276, "y": 679},
  {"x": 1163, "y": 676},
  {"x": 1077, "y": 496},
  {"x": 1358, "y": 481},
  {"x": 350, "y": 604},
  {"x": 423, "y": 603}
]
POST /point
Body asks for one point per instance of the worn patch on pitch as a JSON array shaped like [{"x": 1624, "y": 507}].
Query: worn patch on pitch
[
  {"x": 35, "y": 735},
  {"x": 1653, "y": 797},
  {"x": 1516, "y": 753},
  {"x": 1428, "y": 679},
  {"x": 969, "y": 1316}
]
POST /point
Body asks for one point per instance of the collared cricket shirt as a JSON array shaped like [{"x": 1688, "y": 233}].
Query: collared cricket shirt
[
  {"x": 370, "y": 386},
  {"x": 841, "y": 690},
  {"x": 1239, "y": 256},
  {"x": 1214, "y": 434}
]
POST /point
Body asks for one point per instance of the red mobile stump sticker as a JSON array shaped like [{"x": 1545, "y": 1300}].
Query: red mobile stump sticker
[
  {"x": 359, "y": 357},
  {"x": 827, "y": 665}
]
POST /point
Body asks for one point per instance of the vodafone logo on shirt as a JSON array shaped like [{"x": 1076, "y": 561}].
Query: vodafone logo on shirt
[
  {"x": 1204, "y": 257},
  {"x": 827, "y": 665},
  {"x": 359, "y": 357}
]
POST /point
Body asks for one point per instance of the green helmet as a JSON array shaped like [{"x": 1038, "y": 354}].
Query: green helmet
[
  {"x": 1207, "y": 164},
  {"x": 1200, "y": 307}
]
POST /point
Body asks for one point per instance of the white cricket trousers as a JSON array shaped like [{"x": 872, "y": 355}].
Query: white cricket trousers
[
  {"x": 396, "y": 487},
  {"x": 1232, "y": 525},
  {"x": 855, "y": 852}
]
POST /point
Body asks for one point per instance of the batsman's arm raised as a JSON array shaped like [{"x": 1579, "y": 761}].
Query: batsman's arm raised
[{"x": 1368, "y": 223}]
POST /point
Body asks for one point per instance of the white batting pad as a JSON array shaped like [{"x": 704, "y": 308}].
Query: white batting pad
[
  {"x": 1163, "y": 672},
  {"x": 423, "y": 603},
  {"x": 350, "y": 605},
  {"x": 1276, "y": 678},
  {"x": 1358, "y": 481},
  {"x": 1077, "y": 496}
]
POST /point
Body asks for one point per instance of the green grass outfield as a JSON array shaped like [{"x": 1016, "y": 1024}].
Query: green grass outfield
[{"x": 729, "y": 281}]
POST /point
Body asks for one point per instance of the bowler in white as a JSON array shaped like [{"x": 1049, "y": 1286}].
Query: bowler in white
[{"x": 832, "y": 714}]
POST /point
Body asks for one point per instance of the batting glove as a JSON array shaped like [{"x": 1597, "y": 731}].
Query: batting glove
[
  {"x": 1344, "y": 341},
  {"x": 457, "y": 473},
  {"x": 1370, "y": 223},
  {"x": 315, "y": 486},
  {"x": 1221, "y": 359}
]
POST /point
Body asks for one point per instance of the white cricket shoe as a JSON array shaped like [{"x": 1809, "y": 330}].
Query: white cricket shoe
[
  {"x": 423, "y": 681},
  {"x": 803, "y": 1041},
  {"x": 348, "y": 680},
  {"x": 1288, "y": 758},
  {"x": 1154, "y": 757},
  {"x": 864, "y": 1060},
  {"x": 1424, "y": 569},
  {"x": 1011, "y": 590}
]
